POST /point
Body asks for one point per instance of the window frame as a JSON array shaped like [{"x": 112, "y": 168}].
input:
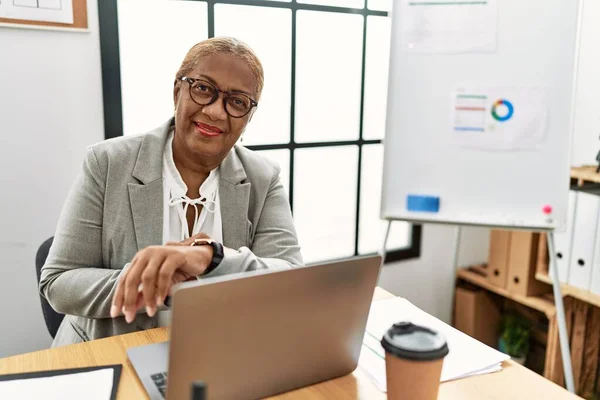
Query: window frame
[{"x": 113, "y": 105}]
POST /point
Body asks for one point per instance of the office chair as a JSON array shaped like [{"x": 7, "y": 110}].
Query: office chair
[{"x": 52, "y": 318}]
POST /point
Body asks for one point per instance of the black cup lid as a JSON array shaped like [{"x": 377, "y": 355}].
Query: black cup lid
[{"x": 414, "y": 342}]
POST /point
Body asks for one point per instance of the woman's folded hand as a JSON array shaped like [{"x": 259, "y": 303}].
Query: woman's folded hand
[{"x": 153, "y": 271}]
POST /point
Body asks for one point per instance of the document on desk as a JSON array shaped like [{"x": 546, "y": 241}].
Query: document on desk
[
  {"x": 96, "y": 383},
  {"x": 467, "y": 356}
]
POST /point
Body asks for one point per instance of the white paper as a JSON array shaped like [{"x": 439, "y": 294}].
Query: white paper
[
  {"x": 467, "y": 356},
  {"x": 373, "y": 366},
  {"x": 92, "y": 385},
  {"x": 448, "y": 26},
  {"x": 499, "y": 118},
  {"x": 38, "y": 10}
]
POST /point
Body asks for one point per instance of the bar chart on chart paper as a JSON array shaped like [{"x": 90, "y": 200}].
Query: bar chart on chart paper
[
  {"x": 38, "y": 10},
  {"x": 469, "y": 112},
  {"x": 501, "y": 118}
]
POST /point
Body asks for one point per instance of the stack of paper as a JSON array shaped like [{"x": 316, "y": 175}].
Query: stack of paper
[{"x": 467, "y": 356}]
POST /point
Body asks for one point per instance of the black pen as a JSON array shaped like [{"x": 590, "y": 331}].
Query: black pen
[{"x": 198, "y": 390}]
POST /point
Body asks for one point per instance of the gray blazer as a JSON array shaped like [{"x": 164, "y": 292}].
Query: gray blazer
[{"x": 115, "y": 208}]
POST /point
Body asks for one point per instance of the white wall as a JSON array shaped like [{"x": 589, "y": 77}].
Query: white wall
[{"x": 50, "y": 110}]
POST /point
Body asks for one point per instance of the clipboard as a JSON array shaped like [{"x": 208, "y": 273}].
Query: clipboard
[{"x": 117, "y": 368}]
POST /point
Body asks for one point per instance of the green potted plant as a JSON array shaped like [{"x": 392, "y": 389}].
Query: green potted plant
[{"x": 514, "y": 337}]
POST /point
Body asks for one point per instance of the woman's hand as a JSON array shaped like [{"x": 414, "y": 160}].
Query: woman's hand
[{"x": 153, "y": 271}]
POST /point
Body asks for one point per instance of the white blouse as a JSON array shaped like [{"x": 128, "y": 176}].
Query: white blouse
[{"x": 176, "y": 204}]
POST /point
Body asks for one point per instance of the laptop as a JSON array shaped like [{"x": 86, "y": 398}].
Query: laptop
[{"x": 261, "y": 333}]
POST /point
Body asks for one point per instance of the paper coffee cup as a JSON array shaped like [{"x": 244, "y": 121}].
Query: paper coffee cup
[{"x": 414, "y": 356}]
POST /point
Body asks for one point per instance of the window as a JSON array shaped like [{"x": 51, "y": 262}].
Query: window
[{"x": 321, "y": 115}]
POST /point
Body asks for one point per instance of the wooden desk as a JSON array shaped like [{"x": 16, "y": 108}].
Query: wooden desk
[{"x": 514, "y": 382}]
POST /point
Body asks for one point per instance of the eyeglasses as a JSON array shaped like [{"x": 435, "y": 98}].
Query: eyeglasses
[{"x": 203, "y": 93}]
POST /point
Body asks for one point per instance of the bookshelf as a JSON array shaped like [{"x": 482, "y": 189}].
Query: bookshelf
[
  {"x": 474, "y": 276},
  {"x": 582, "y": 310}
]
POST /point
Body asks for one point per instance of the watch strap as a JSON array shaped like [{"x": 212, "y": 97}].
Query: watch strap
[
  {"x": 218, "y": 252},
  {"x": 217, "y": 257}
]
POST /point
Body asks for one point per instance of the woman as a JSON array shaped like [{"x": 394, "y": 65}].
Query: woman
[{"x": 178, "y": 203}]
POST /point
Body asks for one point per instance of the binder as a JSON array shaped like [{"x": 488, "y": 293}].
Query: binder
[
  {"x": 563, "y": 241},
  {"x": 595, "y": 285},
  {"x": 584, "y": 240},
  {"x": 498, "y": 257},
  {"x": 522, "y": 262}
]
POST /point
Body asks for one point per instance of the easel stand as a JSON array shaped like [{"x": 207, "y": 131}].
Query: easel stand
[
  {"x": 560, "y": 315},
  {"x": 558, "y": 301}
]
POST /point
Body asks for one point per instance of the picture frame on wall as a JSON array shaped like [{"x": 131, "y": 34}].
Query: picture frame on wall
[{"x": 67, "y": 15}]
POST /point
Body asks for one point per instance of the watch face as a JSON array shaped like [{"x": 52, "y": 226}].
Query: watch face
[{"x": 200, "y": 242}]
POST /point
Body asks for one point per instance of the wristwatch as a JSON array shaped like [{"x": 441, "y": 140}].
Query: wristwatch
[{"x": 217, "y": 252}]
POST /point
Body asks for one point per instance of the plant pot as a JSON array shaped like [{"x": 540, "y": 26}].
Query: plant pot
[
  {"x": 519, "y": 360},
  {"x": 502, "y": 347}
]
